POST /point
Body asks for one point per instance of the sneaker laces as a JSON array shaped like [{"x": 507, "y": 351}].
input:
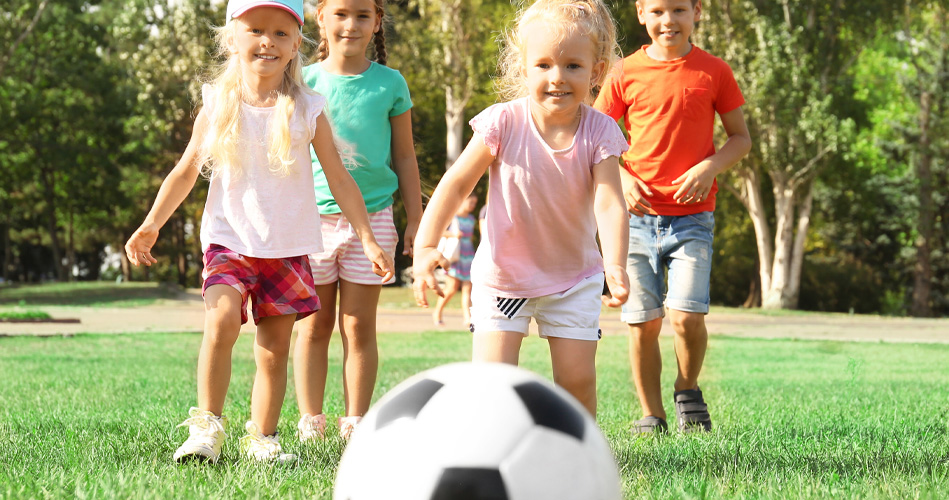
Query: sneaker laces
[
  {"x": 311, "y": 427},
  {"x": 204, "y": 425},
  {"x": 259, "y": 446},
  {"x": 347, "y": 425}
]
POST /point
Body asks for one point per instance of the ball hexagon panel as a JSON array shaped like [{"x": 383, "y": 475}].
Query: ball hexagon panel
[{"x": 477, "y": 431}]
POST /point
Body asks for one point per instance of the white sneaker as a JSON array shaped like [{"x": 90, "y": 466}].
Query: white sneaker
[
  {"x": 207, "y": 435},
  {"x": 311, "y": 428},
  {"x": 263, "y": 448},
  {"x": 347, "y": 425}
]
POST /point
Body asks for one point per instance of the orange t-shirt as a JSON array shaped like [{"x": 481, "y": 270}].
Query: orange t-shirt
[{"x": 669, "y": 108}]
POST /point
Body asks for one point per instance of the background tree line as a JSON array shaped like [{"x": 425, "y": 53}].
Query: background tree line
[{"x": 841, "y": 205}]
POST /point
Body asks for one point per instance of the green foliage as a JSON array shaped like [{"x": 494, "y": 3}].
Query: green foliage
[
  {"x": 793, "y": 419},
  {"x": 28, "y": 315}
]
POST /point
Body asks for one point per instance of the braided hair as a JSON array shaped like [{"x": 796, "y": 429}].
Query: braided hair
[{"x": 378, "y": 38}]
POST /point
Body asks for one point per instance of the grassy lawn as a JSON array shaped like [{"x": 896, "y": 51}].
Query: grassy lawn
[
  {"x": 86, "y": 293},
  {"x": 94, "y": 417}
]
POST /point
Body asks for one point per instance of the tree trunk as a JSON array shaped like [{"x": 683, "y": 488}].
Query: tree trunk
[
  {"x": 753, "y": 201},
  {"x": 456, "y": 95},
  {"x": 124, "y": 263},
  {"x": 50, "y": 194},
  {"x": 797, "y": 251},
  {"x": 922, "y": 271},
  {"x": 70, "y": 248},
  {"x": 776, "y": 296},
  {"x": 7, "y": 253},
  {"x": 454, "y": 126},
  {"x": 182, "y": 252}
]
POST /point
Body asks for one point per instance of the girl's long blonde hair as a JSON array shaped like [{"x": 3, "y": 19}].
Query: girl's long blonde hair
[
  {"x": 220, "y": 147},
  {"x": 588, "y": 17}
]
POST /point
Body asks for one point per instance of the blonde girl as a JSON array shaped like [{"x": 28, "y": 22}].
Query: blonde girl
[
  {"x": 369, "y": 107},
  {"x": 252, "y": 139},
  {"x": 553, "y": 183}
]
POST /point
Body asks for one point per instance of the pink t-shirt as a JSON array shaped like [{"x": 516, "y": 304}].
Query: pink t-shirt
[
  {"x": 259, "y": 213},
  {"x": 541, "y": 229}
]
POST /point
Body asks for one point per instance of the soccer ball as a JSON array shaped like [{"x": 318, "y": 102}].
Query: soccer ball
[{"x": 475, "y": 431}]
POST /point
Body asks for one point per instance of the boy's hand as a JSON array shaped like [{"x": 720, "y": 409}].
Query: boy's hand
[
  {"x": 618, "y": 283},
  {"x": 408, "y": 240},
  {"x": 423, "y": 267},
  {"x": 696, "y": 184},
  {"x": 381, "y": 262},
  {"x": 636, "y": 203},
  {"x": 138, "y": 249}
]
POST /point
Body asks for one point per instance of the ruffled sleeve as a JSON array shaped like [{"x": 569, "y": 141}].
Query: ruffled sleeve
[
  {"x": 489, "y": 124},
  {"x": 610, "y": 139},
  {"x": 207, "y": 98},
  {"x": 314, "y": 106}
]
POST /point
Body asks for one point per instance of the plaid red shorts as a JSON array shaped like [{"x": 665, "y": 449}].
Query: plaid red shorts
[{"x": 278, "y": 286}]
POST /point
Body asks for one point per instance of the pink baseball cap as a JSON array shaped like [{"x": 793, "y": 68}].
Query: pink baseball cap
[{"x": 235, "y": 8}]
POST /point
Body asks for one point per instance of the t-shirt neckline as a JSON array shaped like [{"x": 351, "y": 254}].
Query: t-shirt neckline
[{"x": 548, "y": 147}]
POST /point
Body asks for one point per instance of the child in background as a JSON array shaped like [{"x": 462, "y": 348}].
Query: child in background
[
  {"x": 369, "y": 107},
  {"x": 252, "y": 139},
  {"x": 669, "y": 92},
  {"x": 553, "y": 183},
  {"x": 458, "y": 276}
]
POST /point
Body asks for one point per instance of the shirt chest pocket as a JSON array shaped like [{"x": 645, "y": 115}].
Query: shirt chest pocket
[{"x": 696, "y": 102}]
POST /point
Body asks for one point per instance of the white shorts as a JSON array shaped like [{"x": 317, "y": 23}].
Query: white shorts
[
  {"x": 343, "y": 258},
  {"x": 572, "y": 314}
]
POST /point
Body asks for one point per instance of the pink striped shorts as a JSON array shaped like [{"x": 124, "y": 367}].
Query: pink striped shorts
[{"x": 342, "y": 257}]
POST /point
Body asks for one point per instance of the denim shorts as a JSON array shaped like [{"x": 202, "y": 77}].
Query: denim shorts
[{"x": 683, "y": 245}]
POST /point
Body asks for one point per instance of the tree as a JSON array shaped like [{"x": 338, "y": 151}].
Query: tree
[
  {"x": 166, "y": 46},
  {"x": 63, "y": 106},
  {"x": 454, "y": 37},
  {"x": 791, "y": 60}
]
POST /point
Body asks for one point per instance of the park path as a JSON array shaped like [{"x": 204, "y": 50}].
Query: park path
[{"x": 186, "y": 314}]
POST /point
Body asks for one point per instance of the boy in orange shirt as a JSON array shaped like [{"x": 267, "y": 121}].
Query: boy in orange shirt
[{"x": 668, "y": 93}]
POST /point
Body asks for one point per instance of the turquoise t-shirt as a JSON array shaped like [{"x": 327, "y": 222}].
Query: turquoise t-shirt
[{"x": 359, "y": 108}]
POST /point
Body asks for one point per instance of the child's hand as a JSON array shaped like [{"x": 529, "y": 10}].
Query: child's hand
[
  {"x": 408, "y": 245},
  {"x": 636, "y": 203},
  {"x": 138, "y": 249},
  {"x": 381, "y": 262},
  {"x": 423, "y": 267},
  {"x": 618, "y": 283},
  {"x": 696, "y": 184}
]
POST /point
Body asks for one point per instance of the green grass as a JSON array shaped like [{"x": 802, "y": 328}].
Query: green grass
[
  {"x": 23, "y": 315},
  {"x": 94, "y": 417},
  {"x": 86, "y": 293}
]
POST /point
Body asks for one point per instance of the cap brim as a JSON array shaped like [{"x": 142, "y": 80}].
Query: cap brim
[{"x": 239, "y": 12}]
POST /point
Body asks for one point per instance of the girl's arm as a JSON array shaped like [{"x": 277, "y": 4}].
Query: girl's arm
[
  {"x": 612, "y": 223},
  {"x": 349, "y": 198},
  {"x": 697, "y": 181},
  {"x": 406, "y": 168},
  {"x": 174, "y": 189},
  {"x": 455, "y": 186}
]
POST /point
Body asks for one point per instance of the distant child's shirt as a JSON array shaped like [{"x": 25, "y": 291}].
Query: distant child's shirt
[
  {"x": 540, "y": 226},
  {"x": 670, "y": 108},
  {"x": 359, "y": 108},
  {"x": 254, "y": 211}
]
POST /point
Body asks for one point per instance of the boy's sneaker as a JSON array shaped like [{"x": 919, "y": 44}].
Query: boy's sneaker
[
  {"x": 263, "y": 448},
  {"x": 311, "y": 428},
  {"x": 691, "y": 411},
  {"x": 649, "y": 426},
  {"x": 347, "y": 425},
  {"x": 207, "y": 436}
]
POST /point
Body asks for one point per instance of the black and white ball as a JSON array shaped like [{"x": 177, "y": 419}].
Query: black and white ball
[{"x": 476, "y": 431}]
